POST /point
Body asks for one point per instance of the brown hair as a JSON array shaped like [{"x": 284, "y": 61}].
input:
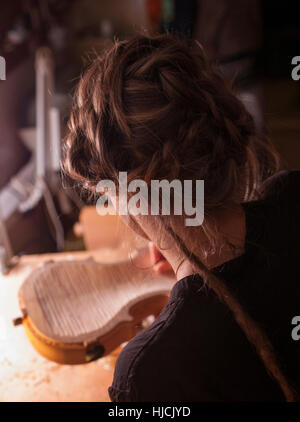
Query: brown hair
[{"x": 154, "y": 107}]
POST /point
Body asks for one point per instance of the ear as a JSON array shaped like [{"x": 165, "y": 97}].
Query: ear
[{"x": 159, "y": 262}]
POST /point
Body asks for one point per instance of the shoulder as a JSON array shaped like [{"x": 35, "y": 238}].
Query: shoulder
[
  {"x": 277, "y": 204},
  {"x": 282, "y": 184},
  {"x": 158, "y": 363},
  {"x": 189, "y": 353},
  {"x": 145, "y": 356}
]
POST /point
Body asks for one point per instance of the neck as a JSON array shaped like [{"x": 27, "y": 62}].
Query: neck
[{"x": 230, "y": 225}]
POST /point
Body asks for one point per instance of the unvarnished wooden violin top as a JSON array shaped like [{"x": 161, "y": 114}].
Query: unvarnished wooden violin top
[{"x": 77, "y": 311}]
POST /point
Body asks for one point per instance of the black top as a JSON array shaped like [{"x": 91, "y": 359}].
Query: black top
[{"x": 195, "y": 350}]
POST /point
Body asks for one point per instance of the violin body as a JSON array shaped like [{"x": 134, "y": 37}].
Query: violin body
[{"x": 78, "y": 311}]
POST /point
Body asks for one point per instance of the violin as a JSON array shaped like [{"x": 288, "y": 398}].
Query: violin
[{"x": 75, "y": 312}]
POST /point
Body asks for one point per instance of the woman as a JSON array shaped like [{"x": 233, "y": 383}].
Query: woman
[{"x": 153, "y": 107}]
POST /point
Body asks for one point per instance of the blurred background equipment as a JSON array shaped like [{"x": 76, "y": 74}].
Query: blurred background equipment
[
  {"x": 34, "y": 209},
  {"x": 34, "y": 197},
  {"x": 231, "y": 32}
]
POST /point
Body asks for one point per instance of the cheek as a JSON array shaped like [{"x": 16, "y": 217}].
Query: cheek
[{"x": 130, "y": 222}]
